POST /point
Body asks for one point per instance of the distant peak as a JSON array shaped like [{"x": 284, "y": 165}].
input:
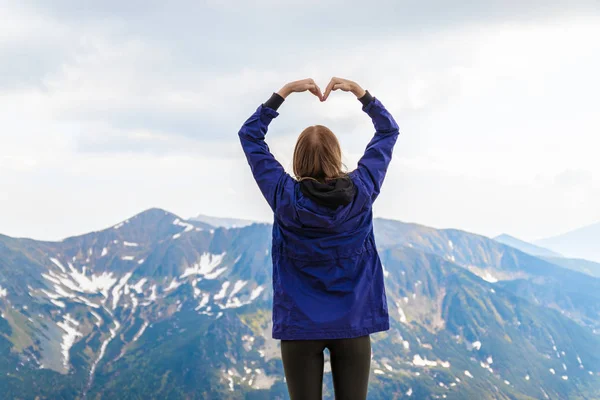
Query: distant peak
[
  {"x": 505, "y": 236},
  {"x": 150, "y": 216},
  {"x": 153, "y": 213},
  {"x": 525, "y": 247},
  {"x": 578, "y": 243},
  {"x": 222, "y": 222}
]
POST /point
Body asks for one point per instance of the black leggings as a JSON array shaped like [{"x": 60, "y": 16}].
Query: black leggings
[{"x": 303, "y": 362}]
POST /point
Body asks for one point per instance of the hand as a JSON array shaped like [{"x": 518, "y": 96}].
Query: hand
[
  {"x": 344, "y": 85},
  {"x": 301, "y": 86}
]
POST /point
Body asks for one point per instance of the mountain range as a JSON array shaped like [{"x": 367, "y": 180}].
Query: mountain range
[
  {"x": 580, "y": 243},
  {"x": 161, "y": 307},
  {"x": 576, "y": 264},
  {"x": 526, "y": 247},
  {"x": 223, "y": 222}
]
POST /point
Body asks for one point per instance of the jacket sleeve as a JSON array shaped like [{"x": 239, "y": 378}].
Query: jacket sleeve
[
  {"x": 267, "y": 171},
  {"x": 373, "y": 165}
]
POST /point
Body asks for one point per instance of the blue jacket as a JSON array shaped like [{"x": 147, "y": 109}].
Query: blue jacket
[{"x": 327, "y": 276}]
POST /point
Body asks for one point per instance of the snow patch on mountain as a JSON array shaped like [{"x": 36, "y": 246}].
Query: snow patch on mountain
[
  {"x": 116, "y": 292},
  {"x": 203, "y": 302},
  {"x": 98, "y": 318},
  {"x": 80, "y": 282},
  {"x": 58, "y": 303},
  {"x": 475, "y": 345},
  {"x": 486, "y": 366},
  {"x": 401, "y": 312},
  {"x": 173, "y": 285},
  {"x": 58, "y": 264},
  {"x": 134, "y": 302},
  {"x": 119, "y": 225},
  {"x": 140, "y": 332},
  {"x": 188, "y": 227},
  {"x": 256, "y": 292},
  {"x": 138, "y": 286},
  {"x": 215, "y": 274},
  {"x": 237, "y": 287},
  {"x": 206, "y": 266},
  {"x": 69, "y": 326},
  {"x": 153, "y": 295},
  {"x": 85, "y": 301},
  {"x": 113, "y": 334},
  {"x": 223, "y": 291},
  {"x": 423, "y": 362},
  {"x": 262, "y": 380}
]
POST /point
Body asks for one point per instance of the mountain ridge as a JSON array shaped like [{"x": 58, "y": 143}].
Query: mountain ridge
[
  {"x": 579, "y": 243},
  {"x": 223, "y": 221},
  {"x": 160, "y": 306},
  {"x": 525, "y": 246}
]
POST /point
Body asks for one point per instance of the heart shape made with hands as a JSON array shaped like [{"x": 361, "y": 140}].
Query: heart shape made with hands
[{"x": 309, "y": 84}]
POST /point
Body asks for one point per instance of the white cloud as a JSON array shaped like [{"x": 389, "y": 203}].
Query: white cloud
[{"x": 118, "y": 114}]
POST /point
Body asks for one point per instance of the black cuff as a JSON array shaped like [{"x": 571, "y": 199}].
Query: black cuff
[
  {"x": 274, "y": 101},
  {"x": 366, "y": 99}
]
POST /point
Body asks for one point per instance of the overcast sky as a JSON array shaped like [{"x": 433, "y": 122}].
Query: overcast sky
[{"x": 109, "y": 108}]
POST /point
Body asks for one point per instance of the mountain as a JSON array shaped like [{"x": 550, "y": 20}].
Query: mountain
[
  {"x": 525, "y": 247},
  {"x": 576, "y": 264},
  {"x": 222, "y": 222},
  {"x": 544, "y": 283},
  {"x": 161, "y": 307},
  {"x": 583, "y": 243}
]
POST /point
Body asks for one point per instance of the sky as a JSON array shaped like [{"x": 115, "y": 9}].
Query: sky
[{"x": 110, "y": 108}]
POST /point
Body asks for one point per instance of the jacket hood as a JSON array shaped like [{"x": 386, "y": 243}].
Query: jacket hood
[{"x": 332, "y": 194}]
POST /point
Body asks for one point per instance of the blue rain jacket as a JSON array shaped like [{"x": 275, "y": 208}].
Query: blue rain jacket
[{"x": 327, "y": 276}]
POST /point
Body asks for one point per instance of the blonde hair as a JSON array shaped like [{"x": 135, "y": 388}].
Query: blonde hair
[{"x": 318, "y": 155}]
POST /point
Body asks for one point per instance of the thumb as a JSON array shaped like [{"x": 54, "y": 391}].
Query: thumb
[{"x": 342, "y": 86}]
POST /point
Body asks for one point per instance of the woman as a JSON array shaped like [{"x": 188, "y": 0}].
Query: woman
[{"x": 328, "y": 289}]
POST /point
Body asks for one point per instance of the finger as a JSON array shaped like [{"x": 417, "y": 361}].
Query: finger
[
  {"x": 314, "y": 89},
  {"x": 327, "y": 90},
  {"x": 303, "y": 87},
  {"x": 308, "y": 81},
  {"x": 311, "y": 87},
  {"x": 343, "y": 86},
  {"x": 319, "y": 93},
  {"x": 300, "y": 85},
  {"x": 329, "y": 87}
]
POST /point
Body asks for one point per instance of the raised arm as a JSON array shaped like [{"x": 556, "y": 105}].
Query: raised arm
[
  {"x": 373, "y": 165},
  {"x": 267, "y": 171}
]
